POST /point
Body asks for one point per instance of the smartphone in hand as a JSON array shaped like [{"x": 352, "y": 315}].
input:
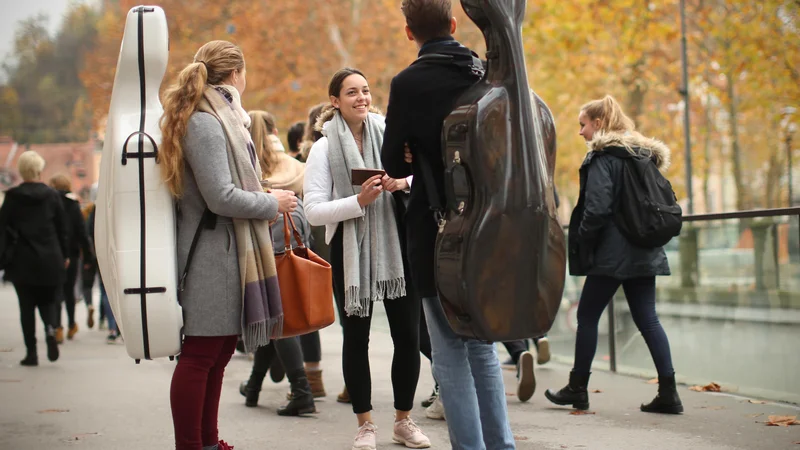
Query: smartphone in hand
[{"x": 360, "y": 176}]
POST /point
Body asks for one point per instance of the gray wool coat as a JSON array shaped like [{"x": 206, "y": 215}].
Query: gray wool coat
[{"x": 212, "y": 298}]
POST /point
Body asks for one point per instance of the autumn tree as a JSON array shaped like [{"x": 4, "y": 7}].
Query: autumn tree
[
  {"x": 291, "y": 48},
  {"x": 44, "y": 99}
]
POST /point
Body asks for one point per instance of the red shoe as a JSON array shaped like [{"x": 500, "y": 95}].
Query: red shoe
[{"x": 222, "y": 445}]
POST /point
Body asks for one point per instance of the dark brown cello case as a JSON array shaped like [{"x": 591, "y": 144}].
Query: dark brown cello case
[{"x": 500, "y": 252}]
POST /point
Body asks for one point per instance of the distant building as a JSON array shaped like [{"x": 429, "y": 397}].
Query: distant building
[{"x": 79, "y": 161}]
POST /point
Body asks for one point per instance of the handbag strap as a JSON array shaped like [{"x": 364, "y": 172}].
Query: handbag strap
[
  {"x": 208, "y": 220},
  {"x": 287, "y": 235}
]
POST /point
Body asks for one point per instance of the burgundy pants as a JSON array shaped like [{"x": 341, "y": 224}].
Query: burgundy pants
[{"x": 196, "y": 387}]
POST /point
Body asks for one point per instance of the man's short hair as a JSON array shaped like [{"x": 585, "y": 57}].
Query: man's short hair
[{"x": 428, "y": 19}]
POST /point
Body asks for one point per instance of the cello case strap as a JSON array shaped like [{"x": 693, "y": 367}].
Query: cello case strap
[{"x": 208, "y": 221}]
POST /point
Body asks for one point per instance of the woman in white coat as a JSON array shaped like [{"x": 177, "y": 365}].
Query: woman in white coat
[{"x": 366, "y": 252}]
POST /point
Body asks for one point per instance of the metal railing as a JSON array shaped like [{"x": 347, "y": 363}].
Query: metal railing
[{"x": 737, "y": 272}]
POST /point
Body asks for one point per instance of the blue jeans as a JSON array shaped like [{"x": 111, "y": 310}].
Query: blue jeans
[
  {"x": 112, "y": 324},
  {"x": 470, "y": 385}
]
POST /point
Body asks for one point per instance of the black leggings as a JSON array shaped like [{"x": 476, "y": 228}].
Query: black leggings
[
  {"x": 30, "y": 298},
  {"x": 641, "y": 296},
  {"x": 68, "y": 292},
  {"x": 404, "y": 315},
  {"x": 312, "y": 347},
  {"x": 288, "y": 350}
]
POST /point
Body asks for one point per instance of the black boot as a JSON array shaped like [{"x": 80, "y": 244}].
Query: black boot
[
  {"x": 302, "y": 401},
  {"x": 52, "y": 345},
  {"x": 276, "y": 370},
  {"x": 31, "y": 359},
  {"x": 251, "y": 388},
  {"x": 574, "y": 393},
  {"x": 667, "y": 401}
]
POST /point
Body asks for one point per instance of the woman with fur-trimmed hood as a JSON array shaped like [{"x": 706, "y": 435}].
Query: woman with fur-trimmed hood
[{"x": 599, "y": 251}]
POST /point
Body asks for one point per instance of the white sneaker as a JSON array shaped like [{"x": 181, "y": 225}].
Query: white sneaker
[
  {"x": 543, "y": 351},
  {"x": 436, "y": 410},
  {"x": 406, "y": 432},
  {"x": 526, "y": 380},
  {"x": 365, "y": 438}
]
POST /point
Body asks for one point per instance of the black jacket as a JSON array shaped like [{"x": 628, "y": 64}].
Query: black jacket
[
  {"x": 421, "y": 97},
  {"x": 36, "y": 212},
  {"x": 596, "y": 246},
  {"x": 76, "y": 229}
]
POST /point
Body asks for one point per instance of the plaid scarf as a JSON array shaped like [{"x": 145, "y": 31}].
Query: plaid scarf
[{"x": 262, "y": 314}]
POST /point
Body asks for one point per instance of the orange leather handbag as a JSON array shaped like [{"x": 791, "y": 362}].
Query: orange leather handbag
[{"x": 306, "y": 286}]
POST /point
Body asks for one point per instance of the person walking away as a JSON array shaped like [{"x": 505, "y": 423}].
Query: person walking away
[
  {"x": 599, "y": 251},
  {"x": 78, "y": 243},
  {"x": 34, "y": 213}
]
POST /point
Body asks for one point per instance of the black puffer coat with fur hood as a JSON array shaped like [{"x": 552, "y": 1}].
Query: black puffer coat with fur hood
[{"x": 596, "y": 246}]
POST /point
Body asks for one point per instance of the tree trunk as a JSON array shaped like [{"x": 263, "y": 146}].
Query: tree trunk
[
  {"x": 707, "y": 155},
  {"x": 736, "y": 156},
  {"x": 636, "y": 94}
]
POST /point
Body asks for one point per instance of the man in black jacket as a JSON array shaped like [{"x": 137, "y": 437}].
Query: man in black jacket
[{"x": 421, "y": 97}]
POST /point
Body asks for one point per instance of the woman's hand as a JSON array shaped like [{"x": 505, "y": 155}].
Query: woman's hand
[
  {"x": 287, "y": 201},
  {"x": 370, "y": 191},
  {"x": 392, "y": 185}
]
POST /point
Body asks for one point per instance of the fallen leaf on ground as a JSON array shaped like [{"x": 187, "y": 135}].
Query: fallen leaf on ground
[
  {"x": 713, "y": 387},
  {"x": 520, "y": 438},
  {"x": 6, "y": 350},
  {"x": 578, "y": 412},
  {"x": 46, "y": 411},
  {"x": 782, "y": 421},
  {"x": 713, "y": 408},
  {"x": 510, "y": 394},
  {"x": 755, "y": 415},
  {"x": 597, "y": 391},
  {"x": 10, "y": 381},
  {"x": 797, "y": 443},
  {"x": 757, "y": 402},
  {"x": 653, "y": 381}
]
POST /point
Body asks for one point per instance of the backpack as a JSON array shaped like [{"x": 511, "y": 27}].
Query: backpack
[{"x": 648, "y": 213}]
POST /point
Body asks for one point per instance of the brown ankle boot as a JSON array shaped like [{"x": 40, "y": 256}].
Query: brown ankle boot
[
  {"x": 344, "y": 397},
  {"x": 315, "y": 380}
]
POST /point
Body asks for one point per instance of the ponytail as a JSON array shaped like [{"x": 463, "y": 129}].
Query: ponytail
[
  {"x": 213, "y": 64},
  {"x": 610, "y": 113},
  {"x": 180, "y": 102}
]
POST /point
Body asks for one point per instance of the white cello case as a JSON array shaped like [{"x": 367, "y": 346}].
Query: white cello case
[{"x": 135, "y": 219}]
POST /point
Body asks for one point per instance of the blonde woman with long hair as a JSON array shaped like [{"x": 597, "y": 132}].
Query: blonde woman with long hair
[
  {"x": 599, "y": 251},
  {"x": 209, "y": 164},
  {"x": 279, "y": 170}
]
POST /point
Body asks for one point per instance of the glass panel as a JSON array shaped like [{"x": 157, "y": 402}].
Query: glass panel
[
  {"x": 731, "y": 308},
  {"x": 562, "y": 334}
]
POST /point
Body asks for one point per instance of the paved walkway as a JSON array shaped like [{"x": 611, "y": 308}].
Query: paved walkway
[{"x": 96, "y": 398}]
